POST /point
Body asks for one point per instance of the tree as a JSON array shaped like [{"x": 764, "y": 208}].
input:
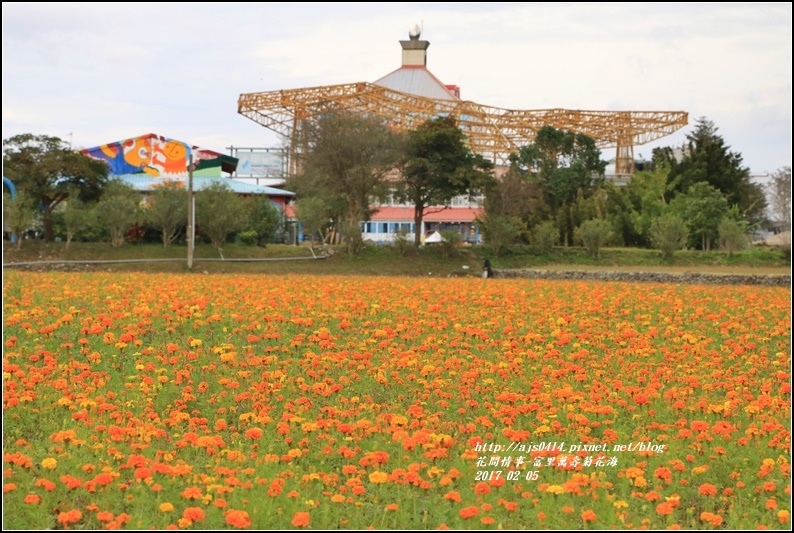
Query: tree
[
  {"x": 563, "y": 163},
  {"x": 733, "y": 235},
  {"x": 118, "y": 209},
  {"x": 633, "y": 208},
  {"x": 346, "y": 164},
  {"x": 779, "y": 191},
  {"x": 19, "y": 214},
  {"x": 166, "y": 210},
  {"x": 47, "y": 168},
  {"x": 702, "y": 207},
  {"x": 437, "y": 166},
  {"x": 78, "y": 216},
  {"x": 512, "y": 205},
  {"x": 314, "y": 215},
  {"x": 264, "y": 219},
  {"x": 219, "y": 212},
  {"x": 669, "y": 233},
  {"x": 707, "y": 159},
  {"x": 594, "y": 234}
]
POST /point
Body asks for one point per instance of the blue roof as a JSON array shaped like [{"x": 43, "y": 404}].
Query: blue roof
[{"x": 144, "y": 183}]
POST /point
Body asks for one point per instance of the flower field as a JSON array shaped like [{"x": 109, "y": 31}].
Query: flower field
[{"x": 218, "y": 402}]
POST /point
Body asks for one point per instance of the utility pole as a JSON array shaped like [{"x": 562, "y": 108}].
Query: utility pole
[{"x": 191, "y": 233}]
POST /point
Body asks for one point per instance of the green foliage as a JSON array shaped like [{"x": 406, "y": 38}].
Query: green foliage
[
  {"x": 78, "y": 217},
  {"x": 567, "y": 166},
  {"x": 593, "y": 234},
  {"x": 314, "y": 214},
  {"x": 511, "y": 204},
  {"x": 499, "y": 231},
  {"x": 219, "y": 212},
  {"x": 733, "y": 235},
  {"x": 632, "y": 208},
  {"x": 248, "y": 237},
  {"x": 47, "y": 169},
  {"x": 402, "y": 244},
  {"x": 563, "y": 162},
  {"x": 438, "y": 165},
  {"x": 707, "y": 159},
  {"x": 545, "y": 236},
  {"x": 347, "y": 159},
  {"x": 166, "y": 210},
  {"x": 702, "y": 207},
  {"x": 265, "y": 220},
  {"x": 118, "y": 209},
  {"x": 668, "y": 234},
  {"x": 449, "y": 244},
  {"x": 19, "y": 215}
]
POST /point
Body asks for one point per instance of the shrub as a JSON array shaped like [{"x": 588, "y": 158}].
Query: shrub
[
  {"x": 248, "y": 238},
  {"x": 593, "y": 234},
  {"x": 402, "y": 244},
  {"x": 733, "y": 236},
  {"x": 449, "y": 246},
  {"x": 545, "y": 236},
  {"x": 668, "y": 234}
]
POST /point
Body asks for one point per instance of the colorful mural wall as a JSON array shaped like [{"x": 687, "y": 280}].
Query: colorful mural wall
[{"x": 156, "y": 156}]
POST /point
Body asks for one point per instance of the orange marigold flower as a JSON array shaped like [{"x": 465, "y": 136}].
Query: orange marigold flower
[
  {"x": 105, "y": 516},
  {"x": 469, "y": 512},
  {"x": 142, "y": 473},
  {"x": 707, "y": 489},
  {"x": 69, "y": 516},
  {"x": 589, "y": 516},
  {"x": 771, "y": 503},
  {"x": 103, "y": 479},
  {"x": 452, "y": 496},
  {"x": 191, "y": 493},
  {"x": 166, "y": 507},
  {"x": 193, "y": 513},
  {"x": 665, "y": 508},
  {"x": 8, "y": 487},
  {"x": 253, "y": 433},
  {"x": 699, "y": 425},
  {"x": 238, "y": 518},
  {"x": 300, "y": 519},
  {"x": 32, "y": 499},
  {"x": 482, "y": 488},
  {"x": 392, "y": 507}
]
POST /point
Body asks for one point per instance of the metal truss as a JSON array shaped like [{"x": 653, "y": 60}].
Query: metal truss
[{"x": 492, "y": 132}]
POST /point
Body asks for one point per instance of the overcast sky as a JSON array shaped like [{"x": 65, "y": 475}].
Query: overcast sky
[{"x": 97, "y": 73}]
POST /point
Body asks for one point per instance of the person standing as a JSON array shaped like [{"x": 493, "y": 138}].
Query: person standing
[{"x": 486, "y": 269}]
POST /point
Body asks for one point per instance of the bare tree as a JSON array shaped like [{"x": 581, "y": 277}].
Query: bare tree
[{"x": 779, "y": 191}]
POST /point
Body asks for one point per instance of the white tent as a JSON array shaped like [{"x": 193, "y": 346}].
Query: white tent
[{"x": 434, "y": 238}]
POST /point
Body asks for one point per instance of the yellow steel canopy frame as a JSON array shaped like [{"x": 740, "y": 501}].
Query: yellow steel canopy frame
[{"x": 492, "y": 132}]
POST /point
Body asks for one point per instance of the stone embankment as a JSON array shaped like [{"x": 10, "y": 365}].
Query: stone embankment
[{"x": 697, "y": 278}]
